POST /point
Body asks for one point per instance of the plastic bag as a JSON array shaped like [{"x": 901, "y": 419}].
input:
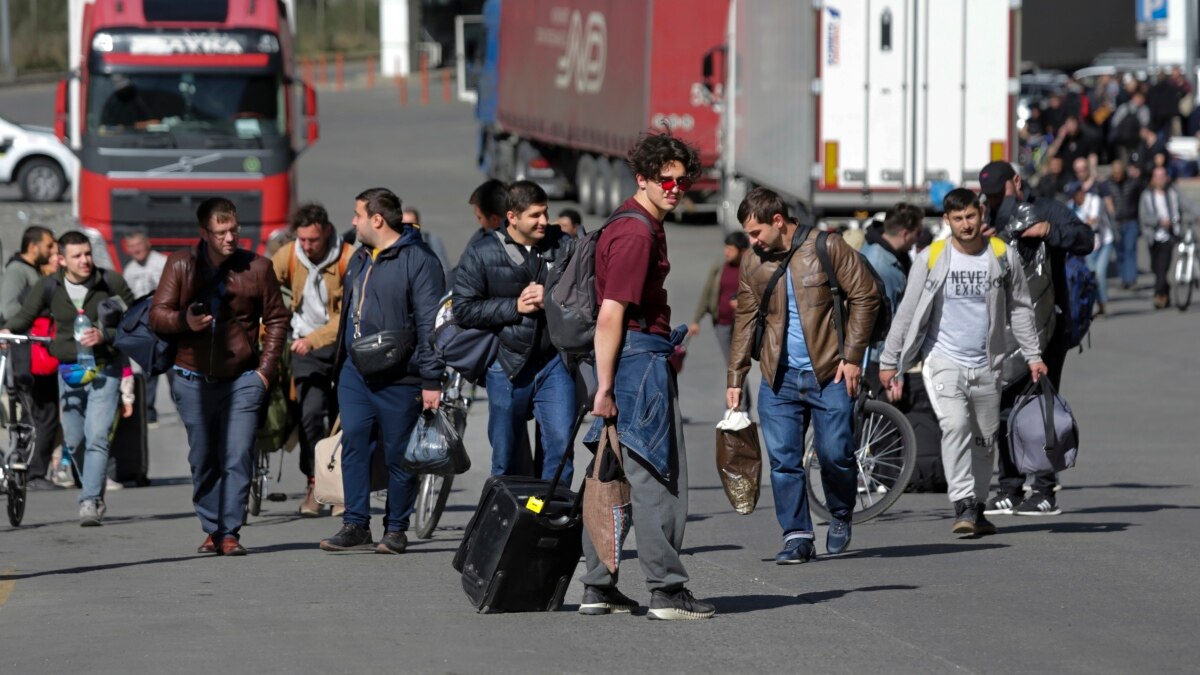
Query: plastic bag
[
  {"x": 739, "y": 460},
  {"x": 435, "y": 447}
]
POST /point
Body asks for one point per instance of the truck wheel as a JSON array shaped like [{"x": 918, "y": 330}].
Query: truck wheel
[
  {"x": 585, "y": 183},
  {"x": 525, "y": 154},
  {"x": 603, "y": 194},
  {"x": 41, "y": 180}
]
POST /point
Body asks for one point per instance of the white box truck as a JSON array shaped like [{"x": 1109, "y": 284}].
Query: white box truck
[{"x": 851, "y": 105}]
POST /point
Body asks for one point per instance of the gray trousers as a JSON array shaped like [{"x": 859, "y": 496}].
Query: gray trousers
[
  {"x": 967, "y": 404},
  {"x": 659, "y": 513}
]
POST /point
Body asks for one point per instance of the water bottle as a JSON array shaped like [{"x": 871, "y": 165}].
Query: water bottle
[{"x": 83, "y": 354}]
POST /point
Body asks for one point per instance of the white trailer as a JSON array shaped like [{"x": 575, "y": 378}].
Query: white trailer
[{"x": 856, "y": 104}]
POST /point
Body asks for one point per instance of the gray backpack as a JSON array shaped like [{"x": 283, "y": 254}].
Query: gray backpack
[
  {"x": 1042, "y": 432},
  {"x": 573, "y": 307}
]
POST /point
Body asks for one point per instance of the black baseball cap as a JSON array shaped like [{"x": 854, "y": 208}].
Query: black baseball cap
[{"x": 993, "y": 177}]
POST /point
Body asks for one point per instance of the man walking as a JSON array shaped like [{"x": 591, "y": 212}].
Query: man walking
[
  {"x": 500, "y": 286},
  {"x": 1161, "y": 211},
  {"x": 21, "y": 274},
  {"x": 212, "y": 301},
  {"x": 1126, "y": 186},
  {"x": 887, "y": 251},
  {"x": 90, "y": 370},
  {"x": 719, "y": 297},
  {"x": 636, "y": 386},
  {"x": 393, "y": 290},
  {"x": 143, "y": 272},
  {"x": 312, "y": 268},
  {"x": 807, "y": 372},
  {"x": 960, "y": 297}
]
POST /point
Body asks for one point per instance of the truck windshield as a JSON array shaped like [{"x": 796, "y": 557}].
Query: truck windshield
[{"x": 185, "y": 104}]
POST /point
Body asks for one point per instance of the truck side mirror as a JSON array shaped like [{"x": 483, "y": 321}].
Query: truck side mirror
[
  {"x": 312, "y": 124},
  {"x": 713, "y": 69},
  {"x": 61, "y": 113}
]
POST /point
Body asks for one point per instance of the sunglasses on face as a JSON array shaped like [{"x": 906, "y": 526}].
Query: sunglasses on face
[{"x": 683, "y": 183}]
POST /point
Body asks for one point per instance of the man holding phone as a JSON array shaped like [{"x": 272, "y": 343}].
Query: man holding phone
[{"x": 212, "y": 300}]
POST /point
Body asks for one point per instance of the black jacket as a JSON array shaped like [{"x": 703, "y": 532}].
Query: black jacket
[
  {"x": 404, "y": 290},
  {"x": 102, "y": 285},
  {"x": 490, "y": 277}
]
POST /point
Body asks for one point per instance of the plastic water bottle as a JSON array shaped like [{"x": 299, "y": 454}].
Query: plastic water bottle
[{"x": 83, "y": 354}]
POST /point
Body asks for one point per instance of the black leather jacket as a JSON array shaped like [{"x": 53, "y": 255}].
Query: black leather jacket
[{"x": 489, "y": 279}]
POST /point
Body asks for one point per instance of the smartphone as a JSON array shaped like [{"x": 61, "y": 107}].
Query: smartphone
[{"x": 197, "y": 309}]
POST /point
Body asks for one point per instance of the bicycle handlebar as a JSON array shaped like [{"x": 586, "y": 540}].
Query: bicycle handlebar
[{"x": 18, "y": 339}]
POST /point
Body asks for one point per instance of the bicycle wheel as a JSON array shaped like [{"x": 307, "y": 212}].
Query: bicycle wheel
[
  {"x": 885, "y": 451},
  {"x": 431, "y": 501},
  {"x": 1184, "y": 281},
  {"x": 257, "y": 485},
  {"x": 16, "y": 497}
]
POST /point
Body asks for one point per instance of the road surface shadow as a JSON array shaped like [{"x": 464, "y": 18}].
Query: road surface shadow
[
  {"x": 712, "y": 548},
  {"x": 742, "y": 604},
  {"x": 1066, "y": 528},
  {"x": 1128, "y": 486},
  {"x": 920, "y": 550},
  {"x": 1131, "y": 508},
  {"x": 109, "y": 521}
]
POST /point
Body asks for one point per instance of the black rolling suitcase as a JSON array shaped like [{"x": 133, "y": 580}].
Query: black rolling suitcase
[
  {"x": 521, "y": 547},
  {"x": 130, "y": 445}
]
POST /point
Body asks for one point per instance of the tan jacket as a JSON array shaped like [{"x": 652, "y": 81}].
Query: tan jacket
[
  {"x": 293, "y": 274},
  {"x": 815, "y": 303}
]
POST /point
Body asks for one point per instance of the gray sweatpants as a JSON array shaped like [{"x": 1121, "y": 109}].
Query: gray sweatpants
[
  {"x": 967, "y": 404},
  {"x": 659, "y": 513}
]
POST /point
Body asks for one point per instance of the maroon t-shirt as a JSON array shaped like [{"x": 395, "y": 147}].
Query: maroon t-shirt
[
  {"x": 728, "y": 289},
  {"x": 632, "y": 266}
]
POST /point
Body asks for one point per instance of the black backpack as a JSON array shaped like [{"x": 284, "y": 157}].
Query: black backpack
[
  {"x": 883, "y": 317},
  {"x": 139, "y": 342},
  {"x": 572, "y": 305}
]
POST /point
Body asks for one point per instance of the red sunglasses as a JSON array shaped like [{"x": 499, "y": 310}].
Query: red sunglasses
[{"x": 669, "y": 183}]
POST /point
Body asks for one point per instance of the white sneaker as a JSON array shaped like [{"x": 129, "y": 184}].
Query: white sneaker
[
  {"x": 91, "y": 513},
  {"x": 63, "y": 477},
  {"x": 111, "y": 485}
]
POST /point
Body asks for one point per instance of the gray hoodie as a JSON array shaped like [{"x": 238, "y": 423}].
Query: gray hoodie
[
  {"x": 1005, "y": 302},
  {"x": 19, "y": 277}
]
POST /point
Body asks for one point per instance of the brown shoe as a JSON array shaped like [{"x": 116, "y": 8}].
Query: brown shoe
[
  {"x": 337, "y": 510},
  {"x": 231, "y": 546},
  {"x": 1161, "y": 301},
  {"x": 208, "y": 546},
  {"x": 310, "y": 508}
]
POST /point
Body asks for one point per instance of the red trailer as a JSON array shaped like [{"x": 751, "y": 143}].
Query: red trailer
[{"x": 568, "y": 85}]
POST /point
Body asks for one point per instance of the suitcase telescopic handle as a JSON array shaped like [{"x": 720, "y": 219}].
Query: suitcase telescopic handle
[{"x": 584, "y": 411}]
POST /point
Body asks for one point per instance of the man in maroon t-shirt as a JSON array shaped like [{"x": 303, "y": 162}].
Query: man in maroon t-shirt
[
  {"x": 632, "y": 332},
  {"x": 719, "y": 299}
]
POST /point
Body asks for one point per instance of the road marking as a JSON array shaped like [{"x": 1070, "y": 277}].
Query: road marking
[{"x": 6, "y": 585}]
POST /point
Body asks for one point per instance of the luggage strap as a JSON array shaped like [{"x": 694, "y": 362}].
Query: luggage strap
[
  {"x": 1044, "y": 388},
  {"x": 535, "y": 504}
]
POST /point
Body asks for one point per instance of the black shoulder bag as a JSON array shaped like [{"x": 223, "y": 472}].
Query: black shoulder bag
[{"x": 760, "y": 319}]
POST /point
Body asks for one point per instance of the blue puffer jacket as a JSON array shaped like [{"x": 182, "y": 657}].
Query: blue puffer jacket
[{"x": 403, "y": 291}]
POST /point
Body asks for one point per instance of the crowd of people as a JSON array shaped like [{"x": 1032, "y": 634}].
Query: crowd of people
[
  {"x": 1103, "y": 150},
  {"x": 344, "y": 323}
]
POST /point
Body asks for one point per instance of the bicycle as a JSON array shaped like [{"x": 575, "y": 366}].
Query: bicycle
[
  {"x": 433, "y": 490},
  {"x": 1186, "y": 277},
  {"x": 258, "y": 482},
  {"x": 886, "y": 455},
  {"x": 15, "y": 417}
]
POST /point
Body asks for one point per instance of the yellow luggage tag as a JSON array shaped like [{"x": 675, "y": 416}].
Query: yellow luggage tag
[{"x": 534, "y": 504}]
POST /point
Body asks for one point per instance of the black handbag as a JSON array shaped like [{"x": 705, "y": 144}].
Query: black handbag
[{"x": 385, "y": 352}]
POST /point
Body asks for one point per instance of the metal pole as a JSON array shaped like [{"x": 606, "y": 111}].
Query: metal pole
[
  {"x": 1189, "y": 43},
  {"x": 5, "y": 39}
]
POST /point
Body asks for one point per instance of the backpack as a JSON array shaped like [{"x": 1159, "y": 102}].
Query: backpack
[
  {"x": 139, "y": 342},
  {"x": 883, "y": 317},
  {"x": 1042, "y": 432},
  {"x": 1081, "y": 299},
  {"x": 572, "y": 305}
]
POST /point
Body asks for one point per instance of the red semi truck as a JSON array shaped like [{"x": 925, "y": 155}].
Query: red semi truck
[
  {"x": 172, "y": 102},
  {"x": 568, "y": 85}
]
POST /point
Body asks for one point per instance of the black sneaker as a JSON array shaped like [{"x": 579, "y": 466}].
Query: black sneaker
[
  {"x": 41, "y": 485},
  {"x": 349, "y": 537},
  {"x": 1038, "y": 504},
  {"x": 601, "y": 601},
  {"x": 392, "y": 542},
  {"x": 964, "y": 516},
  {"x": 678, "y": 605},
  {"x": 982, "y": 524},
  {"x": 1001, "y": 504}
]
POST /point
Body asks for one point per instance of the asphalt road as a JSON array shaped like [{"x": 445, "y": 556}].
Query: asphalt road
[{"x": 1109, "y": 586}]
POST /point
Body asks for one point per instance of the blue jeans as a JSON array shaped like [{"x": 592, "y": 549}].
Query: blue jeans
[
  {"x": 376, "y": 413},
  {"x": 221, "y": 418},
  {"x": 1097, "y": 262},
  {"x": 546, "y": 394},
  {"x": 88, "y": 411},
  {"x": 784, "y": 413},
  {"x": 1127, "y": 252}
]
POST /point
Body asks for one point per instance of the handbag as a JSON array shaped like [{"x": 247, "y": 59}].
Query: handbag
[
  {"x": 760, "y": 318},
  {"x": 381, "y": 353},
  {"x": 739, "y": 460},
  {"x": 41, "y": 362},
  {"x": 1042, "y": 432},
  {"x": 327, "y": 486},
  {"x": 606, "y": 500}
]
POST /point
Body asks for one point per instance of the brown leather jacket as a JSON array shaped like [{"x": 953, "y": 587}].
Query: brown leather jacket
[
  {"x": 293, "y": 274},
  {"x": 251, "y": 296},
  {"x": 815, "y": 302}
]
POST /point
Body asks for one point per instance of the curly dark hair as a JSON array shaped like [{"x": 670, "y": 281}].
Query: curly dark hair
[{"x": 653, "y": 151}]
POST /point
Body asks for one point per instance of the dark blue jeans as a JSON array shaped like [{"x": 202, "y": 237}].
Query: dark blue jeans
[
  {"x": 373, "y": 414},
  {"x": 784, "y": 413},
  {"x": 1127, "y": 252},
  {"x": 546, "y": 394},
  {"x": 221, "y": 418}
]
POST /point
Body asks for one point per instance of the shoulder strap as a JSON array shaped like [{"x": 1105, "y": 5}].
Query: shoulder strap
[
  {"x": 291, "y": 262},
  {"x": 48, "y": 290},
  {"x": 343, "y": 261},
  {"x": 935, "y": 251},
  {"x": 514, "y": 253},
  {"x": 797, "y": 239},
  {"x": 629, "y": 213},
  {"x": 835, "y": 287}
]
